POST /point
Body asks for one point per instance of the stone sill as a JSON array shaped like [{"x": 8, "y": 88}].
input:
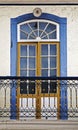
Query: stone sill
[{"x": 39, "y": 125}]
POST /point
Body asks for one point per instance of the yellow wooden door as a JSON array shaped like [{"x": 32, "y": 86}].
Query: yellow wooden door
[{"x": 35, "y": 97}]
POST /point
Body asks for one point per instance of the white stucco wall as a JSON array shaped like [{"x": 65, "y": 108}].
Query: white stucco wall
[{"x": 70, "y": 12}]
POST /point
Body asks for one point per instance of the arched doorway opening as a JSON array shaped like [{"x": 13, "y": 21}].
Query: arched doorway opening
[{"x": 32, "y": 36}]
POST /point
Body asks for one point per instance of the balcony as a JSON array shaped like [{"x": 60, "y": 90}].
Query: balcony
[{"x": 51, "y": 100}]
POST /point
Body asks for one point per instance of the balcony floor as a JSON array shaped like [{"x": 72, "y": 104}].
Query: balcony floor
[{"x": 39, "y": 125}]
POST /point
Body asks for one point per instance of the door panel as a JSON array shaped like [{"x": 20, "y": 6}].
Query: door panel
[
  {"x": 48, "y": 58},
  {"x": 38, "y": 59},
  {"x": 27, "y": 60}
]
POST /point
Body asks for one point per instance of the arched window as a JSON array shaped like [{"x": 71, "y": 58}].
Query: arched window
[{"x": 38, "y": 30}]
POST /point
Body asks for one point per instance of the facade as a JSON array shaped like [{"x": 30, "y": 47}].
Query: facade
[
  {"x": 68, "y": 12},
  {"x": 39, "y": 41}
]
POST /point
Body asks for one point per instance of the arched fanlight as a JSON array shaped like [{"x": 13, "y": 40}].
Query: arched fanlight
[{"x": 38, "y": 30}]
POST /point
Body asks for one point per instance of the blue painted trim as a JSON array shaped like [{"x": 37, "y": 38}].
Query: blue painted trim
[
  {"x": 13, "y": 47},
  {"x": 45, "y": 16},
  {"x": 13, "y": 66},
  {"x": 63, "y": 67},
  {"x": 63, "y": 47},
  {"x": 13, "y": 107}
]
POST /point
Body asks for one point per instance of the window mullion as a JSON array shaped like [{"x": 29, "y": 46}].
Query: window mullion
[
  {"x": 49, "y": 60},
  {"x": 38, "y": 28},
  {"x": 27, "y": 60}
]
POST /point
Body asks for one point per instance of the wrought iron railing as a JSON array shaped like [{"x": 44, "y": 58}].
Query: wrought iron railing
[{"x": 38, "y": 97}]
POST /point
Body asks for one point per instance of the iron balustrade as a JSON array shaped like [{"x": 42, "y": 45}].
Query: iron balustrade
[{"x": 38, "y": 97}]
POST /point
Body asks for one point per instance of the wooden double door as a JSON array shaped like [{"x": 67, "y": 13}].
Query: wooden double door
[{"x": 35, "y": 98}]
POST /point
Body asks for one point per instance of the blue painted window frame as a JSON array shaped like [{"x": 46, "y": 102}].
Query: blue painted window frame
[{"x": 63, "y": 53}]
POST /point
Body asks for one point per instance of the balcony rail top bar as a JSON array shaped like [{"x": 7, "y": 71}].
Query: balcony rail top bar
[{"x": 39, "y": 77}]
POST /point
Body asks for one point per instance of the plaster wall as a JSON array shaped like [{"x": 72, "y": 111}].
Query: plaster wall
[{"x": 69, "y": 12}]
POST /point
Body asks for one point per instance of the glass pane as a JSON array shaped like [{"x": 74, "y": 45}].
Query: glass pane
[
  {"x": 52, "y": 35},
  {"x": 44, "y": 87},
  {"x": 40, "y": 31},
  {"x": 23, "y": 88},
  {"x": 52, "y": 62},
  {"x": 23, "y": 50},
  {"x": 23, "y": 73},
  {"x": 44, "y": 72},
  {"x": 31, "y": 62},
  {"x": 24, "y": 31},
  {"x": 42, "y": 25},
  {"x": 45, "y": 37},
  {"x": 33, "y": 25},
  {"x": 31, "y": 72},
  {"x": 32, "y": 36},
  {"x": 52, "y": 49},
  {"x": 23, "y": 35},
  {"x": 50, "y": 28},
  {"x": 25, "y": 28},
  {"x": 44, "y": 50},
  {"x": 44, "y": 62},
  {"x": 31, "y": 87},
  {"x": 36, "y": 32},
  {"x": 53, "y": 72},
  {"x": 23, "y": 63},
  {"x": 53, "y": 87},
  {"x": 32, "y": 51}
]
